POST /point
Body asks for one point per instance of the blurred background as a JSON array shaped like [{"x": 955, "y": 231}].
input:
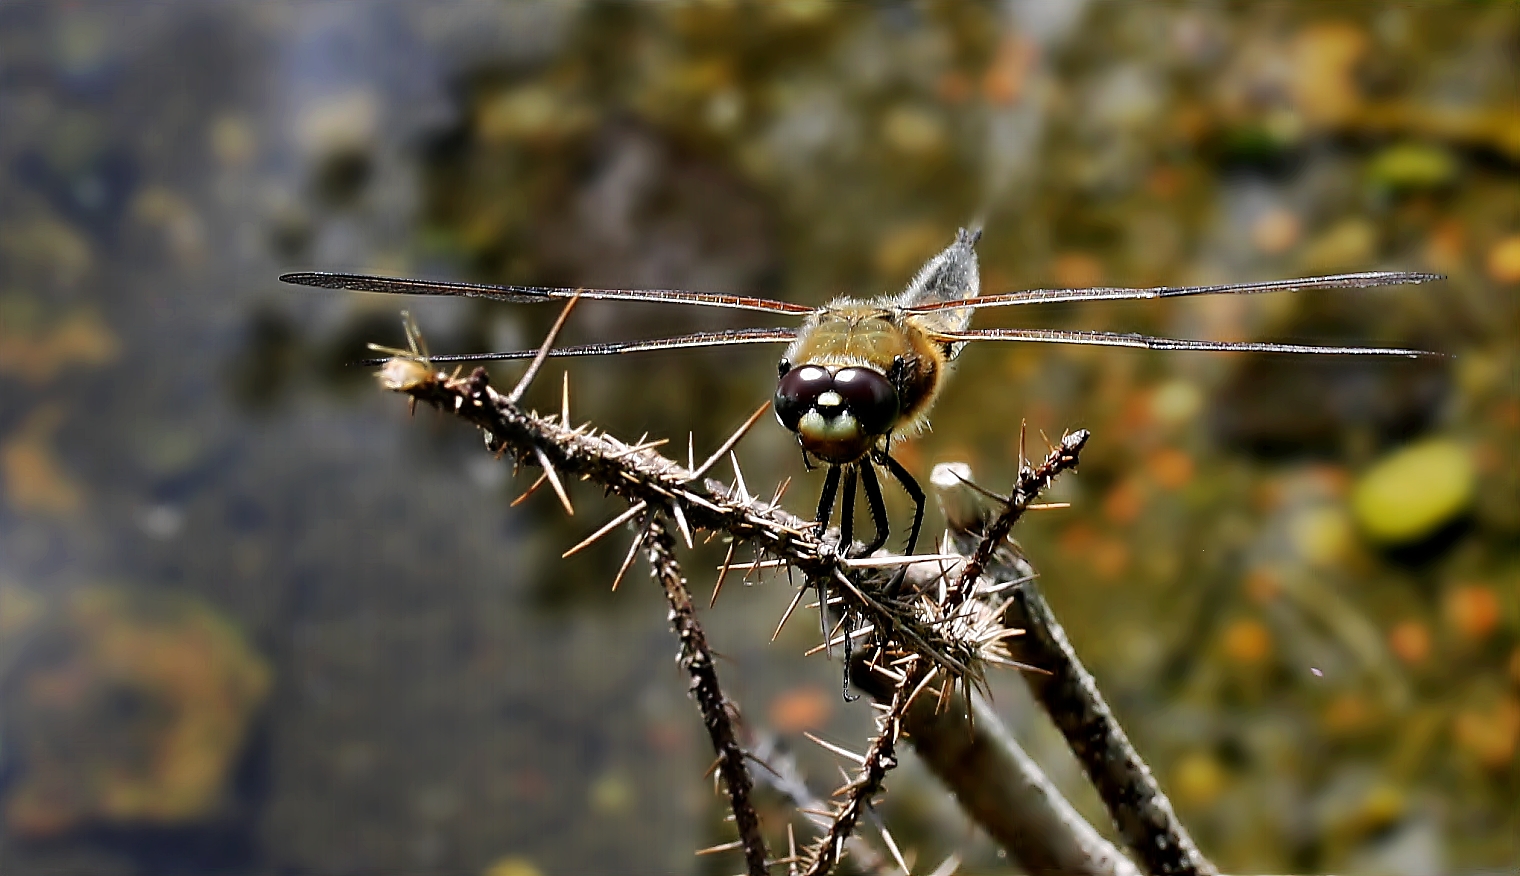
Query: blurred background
[{"x": 255, "y": 619}]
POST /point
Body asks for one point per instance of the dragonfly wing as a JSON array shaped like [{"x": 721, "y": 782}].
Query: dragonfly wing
[
  {"x": 731, "y": 337},
  {"x": 1146, "y": 342},
  {"x": 533, "y": 294},
  {"x": 1364, "y": 280}
]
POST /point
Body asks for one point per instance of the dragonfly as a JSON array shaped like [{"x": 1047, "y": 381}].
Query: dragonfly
[{"x": 859, "y": 375}]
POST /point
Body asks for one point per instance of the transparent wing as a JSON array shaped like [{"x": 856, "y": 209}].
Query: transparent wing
[
  {"x": 682, "y": 342},
  {"x": 1116, "y": 339},
  {"x": 1048, "y": 296},
  {"x": 532, "y": 294}
]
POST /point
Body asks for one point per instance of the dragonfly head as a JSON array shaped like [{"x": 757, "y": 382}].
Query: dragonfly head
[{"x": 837, "y": 413}]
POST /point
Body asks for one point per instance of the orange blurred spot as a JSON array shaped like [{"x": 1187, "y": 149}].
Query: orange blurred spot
[
  {"x": 1488, "y": 458},
  {"x": 1110, "y": 557},
  {"x": 1077, "y": 538},
  {"x": 1247, "y": 641},
  {"x": 955, "y": 87},
  {"x": 1003, "y": 82},
  {"x": 1124, "y": 502},
  {"x": 1490, "y": 735},
  {"x": 801, "y": 708},
  {"x": 1164, "y": 182},
  {"x": 1410, "y": 641},
  {"x": 667, "y": 736},
  {"x": 1138, "y": 411},
  {"x": 1077, "y": 269},
  {"x": 81, "y": 338},
  {"x": 1348, "y": 713},
  {"x": 1276, "y": 231},
  {"x": 1192, "y": 121},
  {"x": 1472, "y": 611},
  {"x": 1268, "y": 495},
  {"x": 1332, "y": 480},
  {"x": 1446, "y": 246},
  {"x": 1262, "y": 585},
  {"x": 1504, "y": 260},
  {"x": 1171, "y": 468},
  {"x": 35, "y": 481},
  {"x": 1507, "y": 413},
  {"x": 909, "y": 453}
]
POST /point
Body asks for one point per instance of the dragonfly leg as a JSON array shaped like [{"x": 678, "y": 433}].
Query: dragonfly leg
[
  {"x": 911, "y": 487},
  {"x": 826, "y": 501},
  {"x": 849, "y": 656},
  {"x": 820, "y": 526},
  {"x": 872, "y": 488},
  {"x": 847, "y": 511}
]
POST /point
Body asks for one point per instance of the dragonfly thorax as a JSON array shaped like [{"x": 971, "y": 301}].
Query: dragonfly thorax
[{"x": 838, "y": 413}]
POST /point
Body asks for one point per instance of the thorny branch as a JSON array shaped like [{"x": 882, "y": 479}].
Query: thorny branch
[
  {"x": 779, "y": 770},
  {"x": 915, "y": 637},
  {"x": 1070, "y": 695},
  {"x": 717, "y": 711}
]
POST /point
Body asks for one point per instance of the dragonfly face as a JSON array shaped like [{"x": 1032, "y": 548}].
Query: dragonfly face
[{"x": 858, "y": 375}]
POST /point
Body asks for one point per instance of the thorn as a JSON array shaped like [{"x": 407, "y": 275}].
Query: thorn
[
  {"x": 516, "y": 394},
  {"x": 633, "y": 551},
  {"x": 842, "y": 752},
  {"x": 691, "y": 451},
  {"x": 791, "y": 850},
  {"x": 922, "y": 686},
  {"x": 1047, "y": 506},
  {"x": 559, "y": 488},
  {"x": 886, "y": 837},
  {"x": 680, "y": 516},
  {"x": 637, "y": 448},
  {"x": 529, "y": 491},
  {"x": 564, "y": 400},
  {"x": 724, "y": 847},
  {"x": 610, "y": 525},
  {"x": 948, "y": 866},
  {"x": 723, "y": 573},
  {"x": 887, "y": 562},
  {"x": 762, "y": 564},
  {"x": 732, "y": 440},
  {"x": 1014, "y": 664},
  {"x": 780, "y": 491},
  {"x": 744, "y": 496},
  {"x": 1023, "y": 429},
  {"x": 839, "y": 640},
  {"x": 789, "y": 609}
]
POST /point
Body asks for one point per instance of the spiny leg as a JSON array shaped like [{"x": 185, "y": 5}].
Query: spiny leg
[
  {"x": 911, "y": 487},
  {"x": 849, "y": 655},
  {"x": 846, "y": 542},
  {"x": 878, "y": 505},
  {"x": 847, "y": 512},
  {"x": 820, "y": 526},
  {"x": 826, "y": 501}
]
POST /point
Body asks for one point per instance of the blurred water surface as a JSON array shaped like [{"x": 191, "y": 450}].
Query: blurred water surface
[{"x": 254, "y": 619}]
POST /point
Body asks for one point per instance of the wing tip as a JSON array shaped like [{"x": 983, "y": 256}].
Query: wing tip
[{"x": 306, "y": 278}]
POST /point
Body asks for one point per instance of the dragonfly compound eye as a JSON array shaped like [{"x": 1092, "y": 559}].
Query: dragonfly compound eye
[
  {"x": 837, "y": 416},
  {"x": 869, "y": 396},
  {"x": 798, "y": 391}
]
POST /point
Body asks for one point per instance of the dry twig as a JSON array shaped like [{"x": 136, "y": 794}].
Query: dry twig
[
  {"x": 1069, "y": 694},
  {"x": 717, "y": 711},
  {"x": 937, "y": 630}
]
